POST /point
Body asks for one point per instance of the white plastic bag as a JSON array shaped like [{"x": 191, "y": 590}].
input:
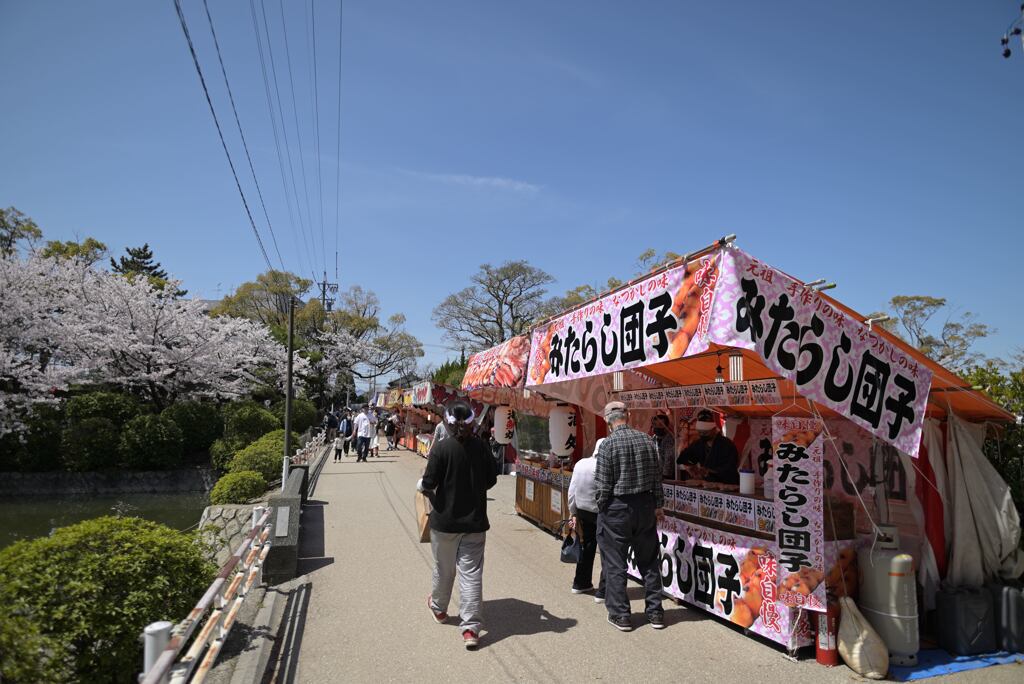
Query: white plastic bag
[{"x": 859, "y": 644}]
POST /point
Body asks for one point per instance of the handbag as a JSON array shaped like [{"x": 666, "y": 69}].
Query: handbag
[{"x": 571, "y": 548}]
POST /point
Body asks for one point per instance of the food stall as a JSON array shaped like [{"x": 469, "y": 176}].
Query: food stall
[
  {"x": 844, "y": 426},
  {"x": 522, "y": 421},
  {"x": 427, "y": 401}
]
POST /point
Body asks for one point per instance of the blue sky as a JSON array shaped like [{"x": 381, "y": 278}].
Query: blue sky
[{"x": 875, "y": 144}]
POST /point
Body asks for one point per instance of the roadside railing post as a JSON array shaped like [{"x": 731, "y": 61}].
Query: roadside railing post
[{"x": 155, "y": 637}]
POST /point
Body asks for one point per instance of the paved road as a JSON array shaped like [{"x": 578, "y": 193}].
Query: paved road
[{"x": 367, "y": 619}]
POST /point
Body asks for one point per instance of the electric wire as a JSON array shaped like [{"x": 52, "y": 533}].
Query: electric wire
[
  {"x": 306, "y": 239},
  {"x": 301, "y": 250},
  {"x": 241, "y": 134},
  {"x": 295, "y": 112},
  {"x": 220, "y": 133},
  {"x": 316, "y": 131},
  {"x": 337, "y": 196}
]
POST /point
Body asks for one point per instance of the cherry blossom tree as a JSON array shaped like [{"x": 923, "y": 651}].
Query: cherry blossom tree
[{"x": 63, "y": 322}]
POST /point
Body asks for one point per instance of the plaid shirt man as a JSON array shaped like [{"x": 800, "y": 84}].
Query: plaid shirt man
[{"x": 628, "y": 463}]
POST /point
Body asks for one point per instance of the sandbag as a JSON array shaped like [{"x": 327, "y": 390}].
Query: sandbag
[{"x": 859, "y": 644}]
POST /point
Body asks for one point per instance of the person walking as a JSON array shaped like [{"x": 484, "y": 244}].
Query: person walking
[
  {"x": 583, "y": 514},
  {"x": 337, "y": 447},
  {"x": 375, "y": 436},
  {"x": 332, "y": 425},
  {"x": 629, "y": 502},
  {"x": 363, "y": 430},
  {"x": 459, "y": 472},
  {"x": 345, "y": 430},
  {"x": 389, "y": 431}
]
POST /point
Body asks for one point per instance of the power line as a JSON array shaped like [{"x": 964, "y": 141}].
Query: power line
[
  {"x": 277, "y": 140},
  {"x": 307, "y": 242},
  {"x": 295, "y": 112},
  {"x": 337, "y": 196},
  {"x": 238, "y": 123},
  {"x": 316, "y": 129},
  {"x": 220, "y": 133}
]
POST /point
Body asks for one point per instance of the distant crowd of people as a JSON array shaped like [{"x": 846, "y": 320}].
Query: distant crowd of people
[{"x": 359, "y": 430}]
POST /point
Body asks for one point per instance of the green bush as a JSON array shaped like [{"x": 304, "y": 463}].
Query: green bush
[
  {"x": 28, "y": 656},
  {"x": 91, "y": 588},
  {"x": 200, "y": 423},
  {"x": 264, "y": 455},
  {"x": 304, "y": 414},
  {"x": 115, "y": 407},
  {"x": 37, "y": 447},
  {"x": 248, "y": 422},
  {"x": 238, "y": 488},
  {"x": 151, "y": 443},
  {"x": 222, "y": 451},
  {"x": 90, "y": 444}
]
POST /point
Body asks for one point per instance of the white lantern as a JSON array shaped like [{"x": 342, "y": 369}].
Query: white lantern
[
  {"x": 562, "y": 430},
  {"x": 504, "y": 425}
]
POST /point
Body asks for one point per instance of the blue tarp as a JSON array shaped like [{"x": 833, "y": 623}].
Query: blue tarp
[{"x": 936, "y": 662}]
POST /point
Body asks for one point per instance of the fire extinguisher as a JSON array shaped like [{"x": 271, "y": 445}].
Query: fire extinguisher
[{"x": 826, "y": 650}]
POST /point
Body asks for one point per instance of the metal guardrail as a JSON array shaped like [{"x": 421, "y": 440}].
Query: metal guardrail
[
  {"x": 163, "y": 645},
  {"x": 309, "y": 449}
]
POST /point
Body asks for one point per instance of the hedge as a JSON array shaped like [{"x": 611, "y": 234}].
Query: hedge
[
  {"x": 90, "y": 444},
  {"x": 264, "y": 455},
  {"x": 37, "y": 448},
  {"x": 248, "y": 422},
  {"x": 238, "y": 488},
  {"x": 115, "y": 407},
  {"x": 200, "y": 424},
  {"x": 304, "y": 414},
  {"x": 91, "y": 588},
  {"x": 151, "y": 443},
  {"x": 222, "y": 451}
]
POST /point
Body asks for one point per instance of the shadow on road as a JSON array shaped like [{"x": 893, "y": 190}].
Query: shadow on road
[
  {"x": 311, "y": 539},
  {"x": 509, "y": 617}
]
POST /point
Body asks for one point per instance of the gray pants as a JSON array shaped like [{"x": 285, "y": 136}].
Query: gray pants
[{"x": 462, "y": 553}]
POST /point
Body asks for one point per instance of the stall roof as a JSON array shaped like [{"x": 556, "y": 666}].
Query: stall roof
[{"x": 947, "y": 392}]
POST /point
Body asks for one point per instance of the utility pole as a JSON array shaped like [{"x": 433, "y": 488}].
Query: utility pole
[
  {"x": 326, "y": 287},
  {"x": 288, "y": 396}
]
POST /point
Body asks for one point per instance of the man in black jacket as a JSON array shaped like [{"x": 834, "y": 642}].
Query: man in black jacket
[{"x": 459, "y": 472}]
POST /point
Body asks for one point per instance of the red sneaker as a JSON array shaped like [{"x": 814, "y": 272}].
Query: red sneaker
[
  {"x": 470, "y": 639},
  {"x": 439, "y": 616}
]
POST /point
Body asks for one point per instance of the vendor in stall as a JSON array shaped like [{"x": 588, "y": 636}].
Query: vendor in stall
[
  {"x": 712, "y": 457},
  {"x": 666, "y": 445}
]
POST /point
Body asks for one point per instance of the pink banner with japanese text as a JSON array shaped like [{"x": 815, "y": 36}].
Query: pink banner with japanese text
[
  {"x": 658, "y": 319},
  {"x": 734, "y": 577},
  {"x": 799, "y": 511},
  {"x": 831, "y": 357}
]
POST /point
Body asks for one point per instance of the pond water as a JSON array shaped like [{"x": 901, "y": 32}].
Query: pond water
[{"x": 36, "y": 516}]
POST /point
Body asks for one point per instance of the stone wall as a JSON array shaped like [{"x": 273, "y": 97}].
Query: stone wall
[
  {"x": 114, "y": 482},
  {"x": 224, "y": 527}
]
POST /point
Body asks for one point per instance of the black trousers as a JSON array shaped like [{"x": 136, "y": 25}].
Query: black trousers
[
  {"x": 629, "y": 522},
  {"x": 345, "y": 443},
  {"x": 585, "y": 567}
]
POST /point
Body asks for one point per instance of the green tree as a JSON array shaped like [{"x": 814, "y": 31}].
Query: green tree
[
  {"x": 502, "y": 302},
  {"x": 1004, "y": 384},
  {"x": 15, "y": 227},
  {"x": 949, "y": 344},
  {"x": 89, "y": 250},
  {"x": 140, "y": 262},
  {"x": 451, "y": 372},
  {"x": 265, "y": 300}
]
